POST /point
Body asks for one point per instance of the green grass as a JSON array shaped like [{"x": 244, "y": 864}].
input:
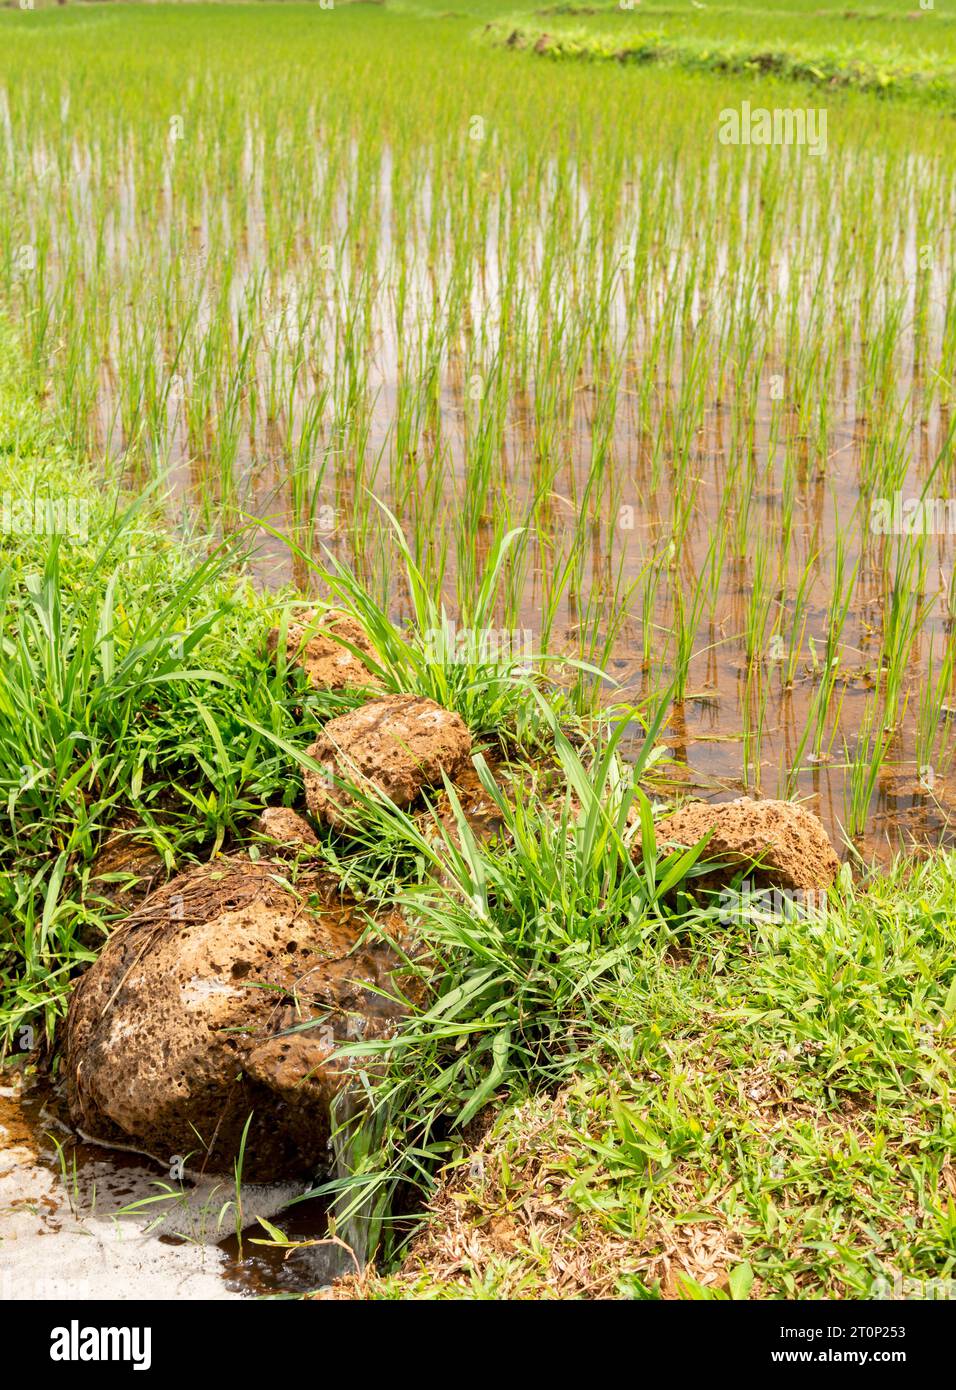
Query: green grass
[
  {"x": 520, "y": 946},
  {"x": 463, "y": 663},
  {"x": 764, "y": 1113},
  {"x": 869, "y": 67},
  {"x": 909, "y": 54}
]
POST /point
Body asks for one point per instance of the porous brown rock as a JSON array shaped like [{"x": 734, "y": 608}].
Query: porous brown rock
[
  {"x": 127, "y": 864},
  {"x": 181, "y": 1029},
  {"x": 396, "y": 746},
  {"x": 328, "y": 665},
  {"x": 787, "y": 841},
  {"x": 286, "y": 829}
]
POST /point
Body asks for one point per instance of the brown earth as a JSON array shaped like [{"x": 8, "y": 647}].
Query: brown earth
[
  {"x": 286, "y": 829},
  {"x": 15, "y": 1133},
  {"x": 396, "y": 746},
  {"x": 509, "y": 1219},
  {"x": 789, "y": 842},
  {"x": 180, "y": 1029},
  {"x": 315, "y": 644}
]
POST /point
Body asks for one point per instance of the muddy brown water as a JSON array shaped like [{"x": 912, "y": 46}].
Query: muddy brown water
[
  {"x": 912, "y": 806},
  {"x": 83, "y": 1221},
  {"x": 738, "y": 440},
  {"x": 913, "y": 803}
]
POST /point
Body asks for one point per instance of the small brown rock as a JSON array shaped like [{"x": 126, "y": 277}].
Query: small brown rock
[
  {"x": 328, "y": 665},
  {"x": 286, "y": 828},
  {"x": 128, "y": 856},
  {"x": 789, "y": 842},
  {"x": 396, "y": 745}
]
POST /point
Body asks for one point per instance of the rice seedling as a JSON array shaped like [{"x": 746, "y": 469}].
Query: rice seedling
[
  {"x": 864, "y": 766},
  {"x": 538, "y": 351},
  {"x": 934, "y": 725}
]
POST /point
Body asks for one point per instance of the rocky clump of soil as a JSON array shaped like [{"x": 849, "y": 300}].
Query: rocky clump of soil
[
  {"x": 288, "y": 831},
  {"x": 396, "y": 746},
  {"x": 180, "y": 1030},
  {"x": 127, "y": 865},
  {"x": 316, "y": 644},
  {"x": 787, "y": 841}
]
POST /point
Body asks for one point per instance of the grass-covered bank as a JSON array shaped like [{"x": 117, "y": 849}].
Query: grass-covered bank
[
  {"x": 425, "y": 323},
  {"x": 766, "y": 1111},
  {"x": 895, "y": 54}
]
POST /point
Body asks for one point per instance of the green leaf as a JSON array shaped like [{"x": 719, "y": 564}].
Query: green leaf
[
  {"x": 740, "y": 1281},
  {"x": 500, "y": 1051}
]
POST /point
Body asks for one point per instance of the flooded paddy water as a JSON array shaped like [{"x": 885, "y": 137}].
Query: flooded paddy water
[
  {"x": 731, "y": 462},
  {"x": 709, "y": 383}
]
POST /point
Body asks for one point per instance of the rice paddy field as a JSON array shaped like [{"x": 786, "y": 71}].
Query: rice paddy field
[
  {"x": 497, "y": 312},
  {"x": 515, "y": 291}
]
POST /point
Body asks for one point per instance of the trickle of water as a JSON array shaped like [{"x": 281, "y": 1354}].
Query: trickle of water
[
  {"x": 354, "y": 1222},
  {"x": 82, "y": 1221}
]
